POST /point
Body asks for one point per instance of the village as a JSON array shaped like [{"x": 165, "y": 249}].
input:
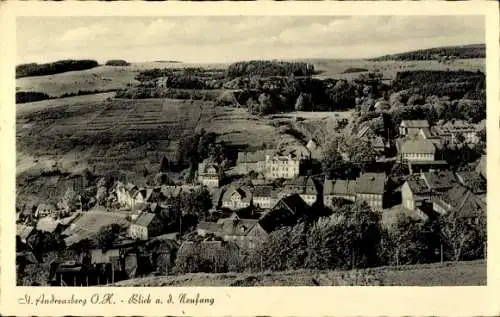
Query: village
[{"x": 143, "y": 231}]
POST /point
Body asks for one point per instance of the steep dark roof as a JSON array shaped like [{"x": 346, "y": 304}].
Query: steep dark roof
[
  {"x": 417, "y": 185},
  {"x": 236, "y": 227},
  {"x": 263, "y": 191},
  {"x": 294, "y": 203},
  {"x": 441, "y": 180},
  {"x": 144, "y": 219},
  {"x": 243, "y": 191},
  {"x": 473, "y": 181},
  {"x": 371, "y": 183},
  {"x": 24, "y": 231},
  {"x": 463, "y": 202},
  {"x": 339, "y": 187}
]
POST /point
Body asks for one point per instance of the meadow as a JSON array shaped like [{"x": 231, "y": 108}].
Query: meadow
[{"x": 471, "y": 273}]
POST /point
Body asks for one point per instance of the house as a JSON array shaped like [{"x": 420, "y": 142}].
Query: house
[
  {"x": 264, "y": 197},
  {"x": 412, "y": 127},
  {"x": 209, "y": 173},
  {"x": 415, "y": 192},
  {"x": 286, "y": 212},
  {"x": 246, "y": 233},
  {"x": 44, "y": 210},
  {"x": 414, "y": 150},
  {"x": 370, "y": 187},
  {"x": 252, "y": 161},
  {"x": 282, "y": 167},
  {"x": 342, "y": 189},
  {"x": 145, "y": 226},
  {"x": 473, "y": 181},
  {"x": 87, "y": 224},
  {"x": 24, "y": 232},
  {"x": 236, "y": 197},
  {"x": 460, "y": 202},
  {"x": 304, "y": 186},
  {"x": 47, "y": 224},
  {"x": 468, "y": 131},
  {"x": 439, "y": 181}
]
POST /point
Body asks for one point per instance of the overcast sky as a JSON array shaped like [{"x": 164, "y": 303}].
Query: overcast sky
[{"x": 228, "y": 39}]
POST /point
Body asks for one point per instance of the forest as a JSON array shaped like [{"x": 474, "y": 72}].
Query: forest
[
  {"x": 439, "y": 53},
  {"x": 34, "y": 69}
]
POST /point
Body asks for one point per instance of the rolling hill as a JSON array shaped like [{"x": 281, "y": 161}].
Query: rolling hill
[{"x": 437, "y": 53}]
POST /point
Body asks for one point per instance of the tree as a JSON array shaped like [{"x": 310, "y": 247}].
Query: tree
[
  {"x": 107, "y": 236},
  {"x": 164, "y": 165},
  {"x": 360, "y": 152},
  {"x": 407, "y": 241},
  {"x": 303, "y": 102},
  {"x": 462, "y": 237}
]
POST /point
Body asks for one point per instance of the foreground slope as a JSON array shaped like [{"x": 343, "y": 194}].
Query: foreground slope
[{"x": 447, "y": 274}]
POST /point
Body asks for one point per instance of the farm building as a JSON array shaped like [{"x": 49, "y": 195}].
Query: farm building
[
  {"x": 417, "y": 150},
  {"x": 208, "y": 256},
  {"x": 412, "y": 127},
  {"x": 145, "y": 226},
  {"x": 236, "y": 197},
  {"x": 209, "y": 173},
  {"x": 342, "y": 189},
  {"x": 461, "y": 202},
  {"x": 264, "y": 197},
  {"x": 87, "y": 224},
  {"x": 370, "y": 187}
]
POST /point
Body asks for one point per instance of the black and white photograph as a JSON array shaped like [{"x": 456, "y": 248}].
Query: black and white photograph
[{"x": 249, "y": 151}]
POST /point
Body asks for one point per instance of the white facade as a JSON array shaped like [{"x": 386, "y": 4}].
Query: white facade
[
  {"x": 282, "y": 167},
  {"x": 421, "y": 157}
]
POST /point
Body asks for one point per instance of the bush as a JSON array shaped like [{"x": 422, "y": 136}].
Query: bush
[
  {"x": 30, "y": 96},
  {"x": 117, "y": 62}
]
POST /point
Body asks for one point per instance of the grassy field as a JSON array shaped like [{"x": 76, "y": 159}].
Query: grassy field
[
  {"x": 115, "y": 77},
  {"x": 334, "y": 68},
  {"x": 98, "y": 78},
  {"x": 447, "y": 274}
]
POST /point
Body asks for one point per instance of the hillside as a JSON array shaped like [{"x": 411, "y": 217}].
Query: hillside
[
  {"x": 447, "y": 274},
  {"x": 438, "y": 53}
]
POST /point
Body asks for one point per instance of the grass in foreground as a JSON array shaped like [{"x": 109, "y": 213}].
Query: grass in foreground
[{"x": 471, "y": 273}]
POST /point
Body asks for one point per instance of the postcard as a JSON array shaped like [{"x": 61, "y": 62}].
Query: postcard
[{"x": 250, "y": 159}]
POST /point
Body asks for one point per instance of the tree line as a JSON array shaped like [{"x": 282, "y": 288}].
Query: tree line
[
  {"x": 34, "y": 69},
  {"x": 458, "y": 52}
]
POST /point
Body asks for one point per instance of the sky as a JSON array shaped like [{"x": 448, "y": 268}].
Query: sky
[{"x": 235, "y": 38}]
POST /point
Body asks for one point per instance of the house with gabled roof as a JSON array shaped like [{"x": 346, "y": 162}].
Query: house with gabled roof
[
  {"x": 304, "y": 186},
  {"x": 44, "y": 210},
  {"x": 246, "y": 233},
  {"x": 237, "y": 197},
  {"x": 412, "y": 127},
  {"x": 286, "y": 212},
  {"x": 439, "y": 181},
  {"x": 370, "y": 188},
  {"x": 252, "y": 161},
  {"x": 145, "y": 226},
  {"x": 264, "y": 197},
  {"x": 460, "y": 202},
  {"x": 414, "y": 192},
  {"x": 340, "y": 189},
  {"x": 209, "y": 173},
  {"x": 473, "y": 181},
  {"x": 414, "y": 150}
]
